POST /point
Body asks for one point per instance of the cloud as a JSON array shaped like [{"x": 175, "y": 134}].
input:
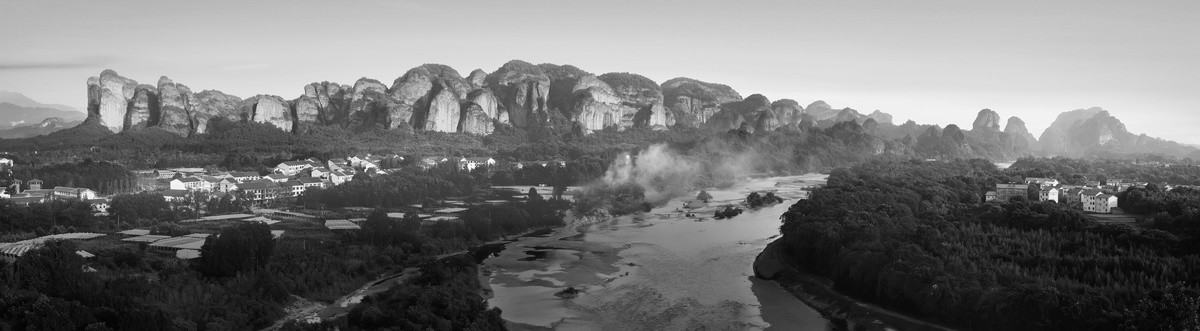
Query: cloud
[{"x": 83, "y": 62}]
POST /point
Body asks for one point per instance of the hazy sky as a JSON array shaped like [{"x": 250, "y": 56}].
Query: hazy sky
[{"x": 930, "y": 61}]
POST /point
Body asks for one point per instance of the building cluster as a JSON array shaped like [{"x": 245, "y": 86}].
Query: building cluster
[
  {"x": 36, "y": 194},
  {"x": 288, "y": 179},
  {"x": 1093, "y": 196}
]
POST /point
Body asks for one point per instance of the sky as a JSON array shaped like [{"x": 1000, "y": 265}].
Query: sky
[{"x": 936, "y": 62}]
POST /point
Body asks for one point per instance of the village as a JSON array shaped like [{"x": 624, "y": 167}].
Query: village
[
  {"x": 1093, "y": 197},
  {"x": 271, "y": 198}
]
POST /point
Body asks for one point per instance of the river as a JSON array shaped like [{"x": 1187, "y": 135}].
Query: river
[{"x": 659, "y": 270}]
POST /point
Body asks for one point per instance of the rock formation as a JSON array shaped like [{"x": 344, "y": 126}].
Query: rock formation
[
  {"x": 139, "y": 114},
  {"x": 986, "y": 121},
  {"x": 693, "y": 102},
  {"x": 1022, "y": 139},
  {"x": 443, "y": 113},
  {"x": 475, "y": 120},
  {"x": 108, "y": 98},
  {"x": 323, "y": 103},
  {"x": 848, "y": 114},
  {"x": 596, "y": 104},
  {"x": 523, "y": 90},
  {"x": 477, "y": 79},
  {"x": 641, "y": 100},
  {"x": 269, "y": 109},
  {"x": 881, "y": 117},
  {"x": 820, "y": 111},
  {"x": 788, "y": 111},
  {"x": 174, "y": 107},
  {"x": 743, "y": 114},
  {"x": 370, "y": 105},
  {"x": 209, "y": 105},
  {"x": 563, "y": 79},
  {"x": 486, "y": 102}
]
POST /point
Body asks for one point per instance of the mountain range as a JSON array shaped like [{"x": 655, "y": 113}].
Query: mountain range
[
  {"x": 435, "y": 97},
  {"x": 18, "y": 110}
]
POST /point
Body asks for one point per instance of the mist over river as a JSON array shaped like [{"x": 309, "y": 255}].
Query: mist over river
[{"x": 659, "y": 270}]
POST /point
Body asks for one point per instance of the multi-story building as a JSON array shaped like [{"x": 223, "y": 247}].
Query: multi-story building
[
  {"x": 1100, "y": 203},
  {"x": 1004, "y": 192},
  {"x": 292, "y": 167},
  {"x": 72, "y": 193},
  {"x": 1048, "y": 193}
]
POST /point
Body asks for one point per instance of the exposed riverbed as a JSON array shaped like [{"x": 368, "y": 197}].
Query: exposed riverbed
[{"x": 655, "y": 271}]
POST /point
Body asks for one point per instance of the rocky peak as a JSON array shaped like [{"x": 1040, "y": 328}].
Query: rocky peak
[
  {"x": 643, "y": 95},
  {"x": 986, "y": 121},
  {"x": 848, "y": 114},
  {"x": 477, "y": 79},
  {"x": 881, "y": 117},
  {"x": 142, "y": 111},
  {"x": 174, "y": 107},
  {"x": 596, "y": 105},
  {"x": 209, "y": 105},
  {"x": 820, "y": 111},
  {"x": 523, "y": 90},
  {"x": 788, "y": 110},
  {"x": 108, "y": 98},
  {"x": 269, "y": 109},
  {"x": 371, "y": 106},
  {"x": 1022, "y": 139},
  {"x": 693, "y": 102},
  {"x": 562, "y": 82}
]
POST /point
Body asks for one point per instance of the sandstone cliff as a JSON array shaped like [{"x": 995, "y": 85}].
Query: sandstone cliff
[
  {"x": 641, "y": 100},
  {"x": 986, "y": 121},
  {"x": 138, "y": 114},
  {"x": 108, "y": 98},
  {"x": 209, "y": 105},
  {"x": 1022, "y": 139},
  {"x": 523, "y": 90},
  {"x": 596, "y": 105},
  {"x": 372, "y": 106},
  {"x": 174, "y": 107},
  {"x": 693, "y": 102},
  {"x": 269, "y": 109}
]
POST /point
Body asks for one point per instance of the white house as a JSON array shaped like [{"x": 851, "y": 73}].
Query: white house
[
  {"x": 471, "y": 163},
  {"x": 1048, "y": 194},
  {"x": 245, "y": 176},
  {"x": 339, "y": 177},
  {"x": 63, "y": 192},
  {"x": 1101, "y": 203},
  {"x": 1041, "y": 181},
  {"x": 6, "y": 162},
  {"x": 292, "y": 167},
  {"x": 278, "y": 178}
]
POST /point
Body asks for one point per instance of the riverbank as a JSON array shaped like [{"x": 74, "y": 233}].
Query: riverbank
[{"x": 819, "y": 293}]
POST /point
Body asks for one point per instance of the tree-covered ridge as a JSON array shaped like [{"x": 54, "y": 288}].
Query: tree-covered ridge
[
  {"x": 1156, "y": 170},
  {"x": 916, "y": 237}
]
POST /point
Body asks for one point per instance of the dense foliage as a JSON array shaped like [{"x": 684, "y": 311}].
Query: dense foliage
[
  {"x": 1080, "y": 171},
  {"x": 916, "y": 237}
]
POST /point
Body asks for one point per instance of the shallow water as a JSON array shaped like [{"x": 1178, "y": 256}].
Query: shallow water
[{"x": 655, "y": 271}]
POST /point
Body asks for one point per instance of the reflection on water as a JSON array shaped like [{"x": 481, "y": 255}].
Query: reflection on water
[{"x": 655, "y": 271}]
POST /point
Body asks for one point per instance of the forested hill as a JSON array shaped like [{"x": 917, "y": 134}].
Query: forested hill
[{"x": 916, "y": 237}]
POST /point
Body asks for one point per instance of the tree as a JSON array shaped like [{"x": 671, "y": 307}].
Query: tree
[
  {"x": 533, "y": 195},
  {"x": 704, "y": 196},
  {"x": 53, "y": 269},
  {"x": 237, "y": 249}
]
